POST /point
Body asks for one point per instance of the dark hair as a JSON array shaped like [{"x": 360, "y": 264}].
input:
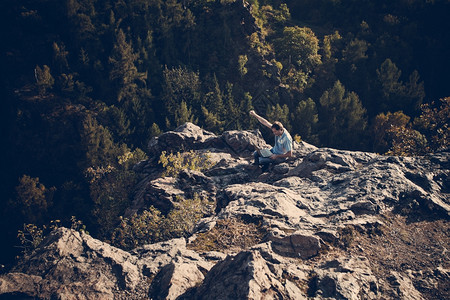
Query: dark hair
[{"x": 277, "y": 125}]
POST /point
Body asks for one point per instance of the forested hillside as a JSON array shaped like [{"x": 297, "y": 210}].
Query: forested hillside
[{"x": 85, "y": 84}]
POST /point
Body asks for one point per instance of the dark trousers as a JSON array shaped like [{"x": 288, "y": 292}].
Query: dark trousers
[{"x": 259, "y": 160}]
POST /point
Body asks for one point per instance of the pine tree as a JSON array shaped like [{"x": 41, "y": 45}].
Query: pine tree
[
  {"x": 305, "y": 120},
  {"x": 231, "y": 108},
  {"x": 155, "y": 131},
  {"x": 116, "y": 120},
  {"x": 98, "y": 144},
  {"x": 414, "y": 91},
  {"x": 212, "y": 121},
  {"x": 245, "y": 107},
  {"x": 389, "y": 77},
  {"x": 123, "y": 69},
  {"x": 343, "y": 118},
  {"x": 60, "y": 57},
  {"x": 325, "y": 73},
  {"x": 355, "y": 51},
  {"x": 279, "y": 113},
  {"x": 140, "y": 113},
  {"x": 183, "y": 114},
  {"x": 181, "y": 85},
  {"x": 395, "y": 94},
  {"x": 214, "y": 103}
]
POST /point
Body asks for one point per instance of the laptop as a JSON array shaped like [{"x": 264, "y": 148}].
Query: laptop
[{"x": 265, "y": 152}]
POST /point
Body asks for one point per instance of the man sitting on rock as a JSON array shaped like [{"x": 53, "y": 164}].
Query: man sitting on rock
[{"x": 282, "y": 148}]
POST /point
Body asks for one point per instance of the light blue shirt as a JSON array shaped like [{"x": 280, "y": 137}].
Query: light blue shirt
[{"x": 283, "y": 143}]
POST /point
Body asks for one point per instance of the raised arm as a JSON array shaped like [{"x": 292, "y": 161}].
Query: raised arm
[{"x": 260, "y": 119}]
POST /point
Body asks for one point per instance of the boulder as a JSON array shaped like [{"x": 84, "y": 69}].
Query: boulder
[
  {"x": 73, "y": 265},
  {"x": 20, "y": 284},
  {"x": 402, "y": 287},
  {"x": 302, "y": 149},
  {"x": 244, "y": 142},
  {"x": 337, "y": 161},
  {"x": 69, "y": 264},
  {"x": 174, "y": 280},
  {"x": 162, "y": 193},
  {"x": 244, "y": 276},
  {"x": 260, "y": 201},
  {"x": 153, "y": 257},
  {"x": 344, "y": 278},
  {"x": 186, "y": 137},
  {"x": 297, "y": 245}
]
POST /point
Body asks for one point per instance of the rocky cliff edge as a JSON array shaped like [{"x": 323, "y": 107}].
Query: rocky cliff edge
[{"x": 330, "y": 224}]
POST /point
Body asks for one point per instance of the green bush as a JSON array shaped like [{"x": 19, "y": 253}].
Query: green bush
[
  {"x": 174, "y": 163},
  {"x": 138, "y": 230},
  {"x": 110, "y": 190},
  {"x": 151, "y": 226},
  {"x": 182, "y": 219}
]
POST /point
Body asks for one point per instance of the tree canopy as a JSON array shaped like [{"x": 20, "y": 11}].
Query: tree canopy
[{"x": 86, "y": 84}]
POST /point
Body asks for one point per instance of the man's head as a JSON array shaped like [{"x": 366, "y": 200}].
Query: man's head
[{"x": 277, "y": 128}]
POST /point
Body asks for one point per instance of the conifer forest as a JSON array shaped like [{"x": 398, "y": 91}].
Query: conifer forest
[{"x": 86, "y": 84}]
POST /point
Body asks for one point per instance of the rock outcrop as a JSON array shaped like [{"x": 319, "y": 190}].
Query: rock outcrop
[{"x": 319, "y": 210}]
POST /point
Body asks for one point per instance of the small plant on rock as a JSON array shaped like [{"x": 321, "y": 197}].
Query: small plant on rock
[
  {"x": 32, "y": 235},
  {"x": 174, "y": 163}
]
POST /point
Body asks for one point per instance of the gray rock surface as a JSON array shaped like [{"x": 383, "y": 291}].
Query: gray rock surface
[
  {"x": 345, "y": 278},
  {"x": 69, "y": 264},
  {"x": 244, "y": 276},
  {"x": 244, "y": 142},
  {"x": 303, "y": 205},
  {"x": 187, "y": 136}
]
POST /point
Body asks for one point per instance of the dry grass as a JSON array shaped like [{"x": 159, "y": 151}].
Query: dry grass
[
  {"x": 417, "y": 247},
  {"x": 229, "y": 235}
]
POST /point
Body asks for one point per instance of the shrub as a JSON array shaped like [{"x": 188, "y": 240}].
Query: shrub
[
  {"x": 174, "y": 163},
  {"x": 151, "y": 226},
  {"x": 187, "y": 212},
  {"x": 32, "y": 235},
  {"x": 110, "y": 190},
  {"x": 33, "y": 199},
  {"x": 78, "y": 225},
  {"x": 434, "y": 124},
  {"x": 138, "y": 230},
  {"x": 407, "y": 142},
  {"x": 241, "y": 64}
]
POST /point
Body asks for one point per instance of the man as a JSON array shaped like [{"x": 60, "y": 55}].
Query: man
[{"x": 283, "y": 143}]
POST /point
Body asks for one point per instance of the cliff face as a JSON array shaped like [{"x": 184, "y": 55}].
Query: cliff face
[{"x": 331, "y": 224}]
